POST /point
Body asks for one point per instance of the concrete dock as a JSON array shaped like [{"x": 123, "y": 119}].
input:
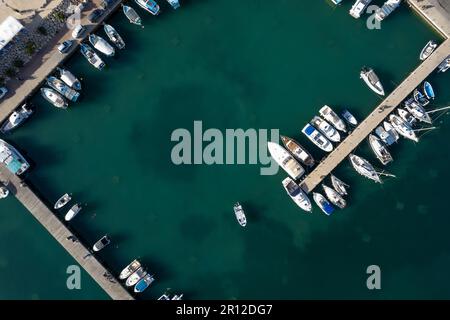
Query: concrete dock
[{"x": 62, "y": 234}]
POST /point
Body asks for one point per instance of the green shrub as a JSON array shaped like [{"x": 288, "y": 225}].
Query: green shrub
[
  {"x": 30, "y": 48},
  {"x": 60, "y": 16}
]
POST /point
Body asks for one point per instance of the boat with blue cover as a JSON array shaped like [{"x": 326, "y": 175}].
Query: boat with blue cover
[
  {"x": 323, "y": 203},
  {"x": 12, "y": 159},
  {"x": 317, "y": 138},
  {"x": 144, "y": 283},
  {"x": 428, "y": 90},
  {"x": 149, "y": 5}
]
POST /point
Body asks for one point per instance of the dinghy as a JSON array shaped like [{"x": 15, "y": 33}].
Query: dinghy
[{"x": 62, "y": 201}]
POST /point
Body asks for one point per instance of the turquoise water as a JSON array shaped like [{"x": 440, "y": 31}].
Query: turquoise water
[{"x": 258, "y": 65}]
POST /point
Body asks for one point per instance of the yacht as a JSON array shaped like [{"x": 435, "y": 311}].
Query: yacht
[
  {"x": 403, "y": 128},
  {"x": 73, "y": 212},
  {"x": 285, "y": 160},
  {"x": 129, "y": 269},
  {"x": 406, "y": 116},
  {"x": 391, "y": 131},
  {"x": 317, "y": 138},
  {"x": 328, "y": 130},
  {"x": 328, "y": 114},
  {"x": 17, "y": 118},
  {"x": 114, "y": 36},
  {"x": 132, "y": 15},
  {"x": 387, "y": 8},
  {"x": 420, "y": 98},
  {"x": 323, "y": 203},
  {"x": 371, "y": 79},
  {"x": 417, "y": 111},
  {"x": 298, "y": 151},
  {"x": 65, "y": 199},
  {"x": 12, "y": 159},
  {"x": 102, "y": 45},
  {"x": 334, "y": 197},
  {"x": 69, "y": 79},
  {"x": 149, "y": 5},
  {"x": 240, "y": 214},
  {"x": 358, "y": 8},
  {"x": 444, "y": 65},
  {"x": 349, "y": 118},
  {"x": 54, "y": 98},
  {"x": 428, "y": 50},
  {"x": 91, "y": 56},
  {"x": 297, "y": 195},
  {"x": 428, "y": 90},
  {"x": 379, "y": 149},
  {"x": 339, "y": 185},
  {"x": 135, "y": 277},
  {"x": 62, "y": 88},
  {"x": 364, "y": 168},
  {"x": 144, "y": 283},
  {"x": 100, "y": 244},
  {"x": 174, "y": 3}
]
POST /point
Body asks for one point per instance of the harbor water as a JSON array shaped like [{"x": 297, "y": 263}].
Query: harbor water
[{"x": 260, "y": 66}]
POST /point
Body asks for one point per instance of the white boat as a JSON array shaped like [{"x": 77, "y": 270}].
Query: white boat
[
  {"x": 349, "y": 118},
  {"x": 65, "y": 199},
  {"x": 364, "y": 168},
  {"x": 339, "y": 185},
  {"x": 406, "y": 116},
  {"x": 371, "y": 79},
  {"x": 62, "y": 88},
  {"x": 417, "y": 111},
  {"x": 327, "y": 129},
  {"x": 149, "y": 5},
  {"x": 323, "y": 203},
  {"x": 444, "y": 65},
  {"x": 334, "y": 197},
  {"x": 100, "y": 244},
  {"x": 391, "y": 131},
  {"x": 114, "y": 36},
  {"x": 129, "y": 269},
  {"x": 380, "y": 150},
  {"x": 174, "y": 3},
  {"x": 12, "y": 159},
  {"x": 240, "y": 214},
  {"x": 54, "y": 98},
  {"x": 135, "y": 277},
  {"x": 144, "y": 283},
  {"x": 69, "y": 79},
  {"x": 358, "y": 8},
  {"x": 298, "y": 151},
  {"x": 132, "y": 15},
  {"x": 387, "y": 8},
  {"x": 403, "y": 128},
  {"x": 285, "y": 160},
  {"x": 428, "y": 50},
  {"x": 328, "y": 114},
  {"x": 317, "y": 138},
  {"x": 102, "y": 45},
  {"x": 73, "y": 212},
  {"x": 91, "y": 56},
  {"x": 16, "y": 118},
  {"x": 297, "y": 195},
  {"x": 420, "y": 98},
  {"x": 3, "y": 192}
]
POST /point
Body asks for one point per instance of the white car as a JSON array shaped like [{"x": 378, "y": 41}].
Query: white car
[
  {"x": 3, "y": 92},
  {"x": 64, "y": 47},
  {"x": 78, "y": 31}
]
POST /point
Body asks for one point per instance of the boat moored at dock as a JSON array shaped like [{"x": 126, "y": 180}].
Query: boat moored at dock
[
  {"x": 174, "y": 3},
  {"x": 114, "y": 36},
  {"x": 403, "y": 128},
  {"x": 358, "y": 8},
  {"x": 135, "y": 277},
  {"x": 285, "y": 160},
  {"x": 339, "y": 185},
  {"x": 132, "y": 15},
  {"x": 144, "y": 283},
  {"x": 317, "y": 138},
  {"x": 391, "y": 131},
  {"x": 91, "y": 56},
  {"x": 65, "y": 199},
  {"x": 73, "y": 212},
  {"x": 102, "y": 45},
  {"x": 428, "y": 50},
  {"x": 388, "y": 7},
  {"x": 62, "y": 88},
  {"x": 101, "y": 243},
  {"x": 334, "y": 197},
  {"x": 149, "y": 5},
  {"x": 69, "y": 79},
  {"x": 417, "y": 111},
  {"x": 129, "y": 269},
  {"x": 428, "y": 90},
  {"x": 327, "y": 129},
  {"x": 297, "y": 195},
  {"x": 54, "y": 98},
  {"x": 351, "y": 120},
  {"x": 298, "y": 151},
  {"x": 364, "y": 168},
  {"x": 420, "y": 98},
  {"x": 4, "y": 192},
  {"x": 380, "y": 150},
  {"x": 12, "y": 159},
  {"x": 16, "y": 118},
  {"x": 406, "y": 116},
  {"x": 323, "y": 203},
  {"x": 371, "y": 79},
  {"x": 444, "y": 65},
  {"x": 328, "y": 114}
]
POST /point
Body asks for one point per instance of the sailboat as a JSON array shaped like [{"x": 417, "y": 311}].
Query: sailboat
[
  {"x": 403, "y": 128},
  {"x": 380, "y": 150},
  {"x": 334, "y": 197},
  {"x": 364, "y": 168},
  {"x": 417, "y": 111},
  {"x": 339, "y": 185}
]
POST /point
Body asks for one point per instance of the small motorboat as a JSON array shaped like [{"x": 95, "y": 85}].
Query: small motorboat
[
  {"x": 371, "y": 79},
  {"x": 135, "y": 277},
  {"x": 334, "y": 197},
  {"x": 420, "y": 98},
  {"x": 63, "y": 88},
  {"x": 144, "y": 283},
  {"x": 114, "y": 36},
  {"x": 91, "y": 56},
  {"x": 54, "y": 98},
  {"x": 391, "y": 131},
  {"x": 69, "y": 79},
  {"x": 428, "y": 50},
  {"x": 132, "y": 15},
  {"x": 65, "y": 199},
  {"x": 297, "y": 195},
  {"x": 298, "y": 151},
  {"x": 328, "y": 114},
  {"x": 3, "y": 192},
  {"x": 428, "y": 90},
  {"x": 323, "y": 203},
  {"x": 380, "y": 150},
  {"x": 149, "y": 6},
  {"x": 327, "y": 129},
  {"x": 339, "y": 185},
  {"x": 349, "y": 118},
  {"x": 444, "y": 65},
  {"x": 317, "y": 138},
  {"x": 174, "y": 3},
  {"x": 17, "y": 118},
  {"x": 73, "y": 212},
  {"x": 129, "y": 269},
  {"x": 240, "y": 214},
  {"x": 100, "y": 244},
  {"x": 102, "y": 45}
]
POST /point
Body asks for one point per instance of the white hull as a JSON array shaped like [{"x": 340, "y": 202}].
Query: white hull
[
  {"x": 328, "y": 130},
  {"x": 317, "y": 138},
  {"x": 296, "y": 194},
  {"x": 334, "y": 197},
  {"x": 372, "y": 81},
  {"x": 73, "y": 212},
  {"x": 285, "y": 160},
  {"x": 101, "y": 45},
  {"x": 364, "y": 168},
  {"x": 402, "y": 128},
  {"x": 128, "y": 270},
  {"x": 379, "y": 149},
  {"x": 328, "y": 114},
  {"x": 339, "y": 185},
  {"x": 135, "y": 277}
]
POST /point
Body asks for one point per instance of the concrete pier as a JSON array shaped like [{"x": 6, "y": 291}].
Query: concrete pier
[{"x": 62, "y": 234}]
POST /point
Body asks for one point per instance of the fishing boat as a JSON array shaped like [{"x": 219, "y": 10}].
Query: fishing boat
[
  {"x": 129, "y": 269},
  {"x": 298, "y": 151},
  {"x": 428, "y": 50},
  {"x": 132, "y": 15},
  {"x": 3, "y": 192},
  {"x": 102, "y": 45},
  {"x": 387, "y": 8},
  {"x": 317, "y": 138},
  {"x": 428, "y": 90},
  {"x": 328, "y": 114},
  {"x": 54, "y": 98},
  {"x": 444, "y": 65},
  {"x": 417, "y": 111},
  {"x": 91, "y": 56},
  {"x": 403, "y": 128},
  {"x": 339, "y": 185},
  {"x": 17, "y": 118},
  {"x": 364, "y": 168},
  {"x": 349, "y": 118},
  {"x": 297, "y": 195},
  {"x": 174, "y": 3},
  {"x": 100, "y": 244},
  {"x": 406, "y": 116},
  {"x": 65, "y": 199},
  {"x": 358, "y": 8},
  {"x": 149, "y": 5},
  {"x": 371, "y": 79},
  {"x": 334, "y": 197},
  {"x": 285, "y": 160},
  {"x": 420, "y": 98},
  {"x": 114, "y": 36},
  {"x": 323, "y": 203},
  {"x": 144, "y": 283},
  {"x": 135, "y": 277},
  {"x": 73, "y": 212},
  {"x": 380, "y": 150},
  {"x": 12, "y": 159},
  {"x": 391, "y": 131},
  {"x": 240, "y": 214},
  {"x": 69, "y": 79},
  {"x": 328, "y": 130},
  {"x": 63, "y": 88}
]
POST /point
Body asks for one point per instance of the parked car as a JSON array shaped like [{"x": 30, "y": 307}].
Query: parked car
[
  {"x": 95, "y": 15},
  {"x": 3, "y": 92},
  {"x": 78, "y": 31},
  {"x": 64, "y": 47}
]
